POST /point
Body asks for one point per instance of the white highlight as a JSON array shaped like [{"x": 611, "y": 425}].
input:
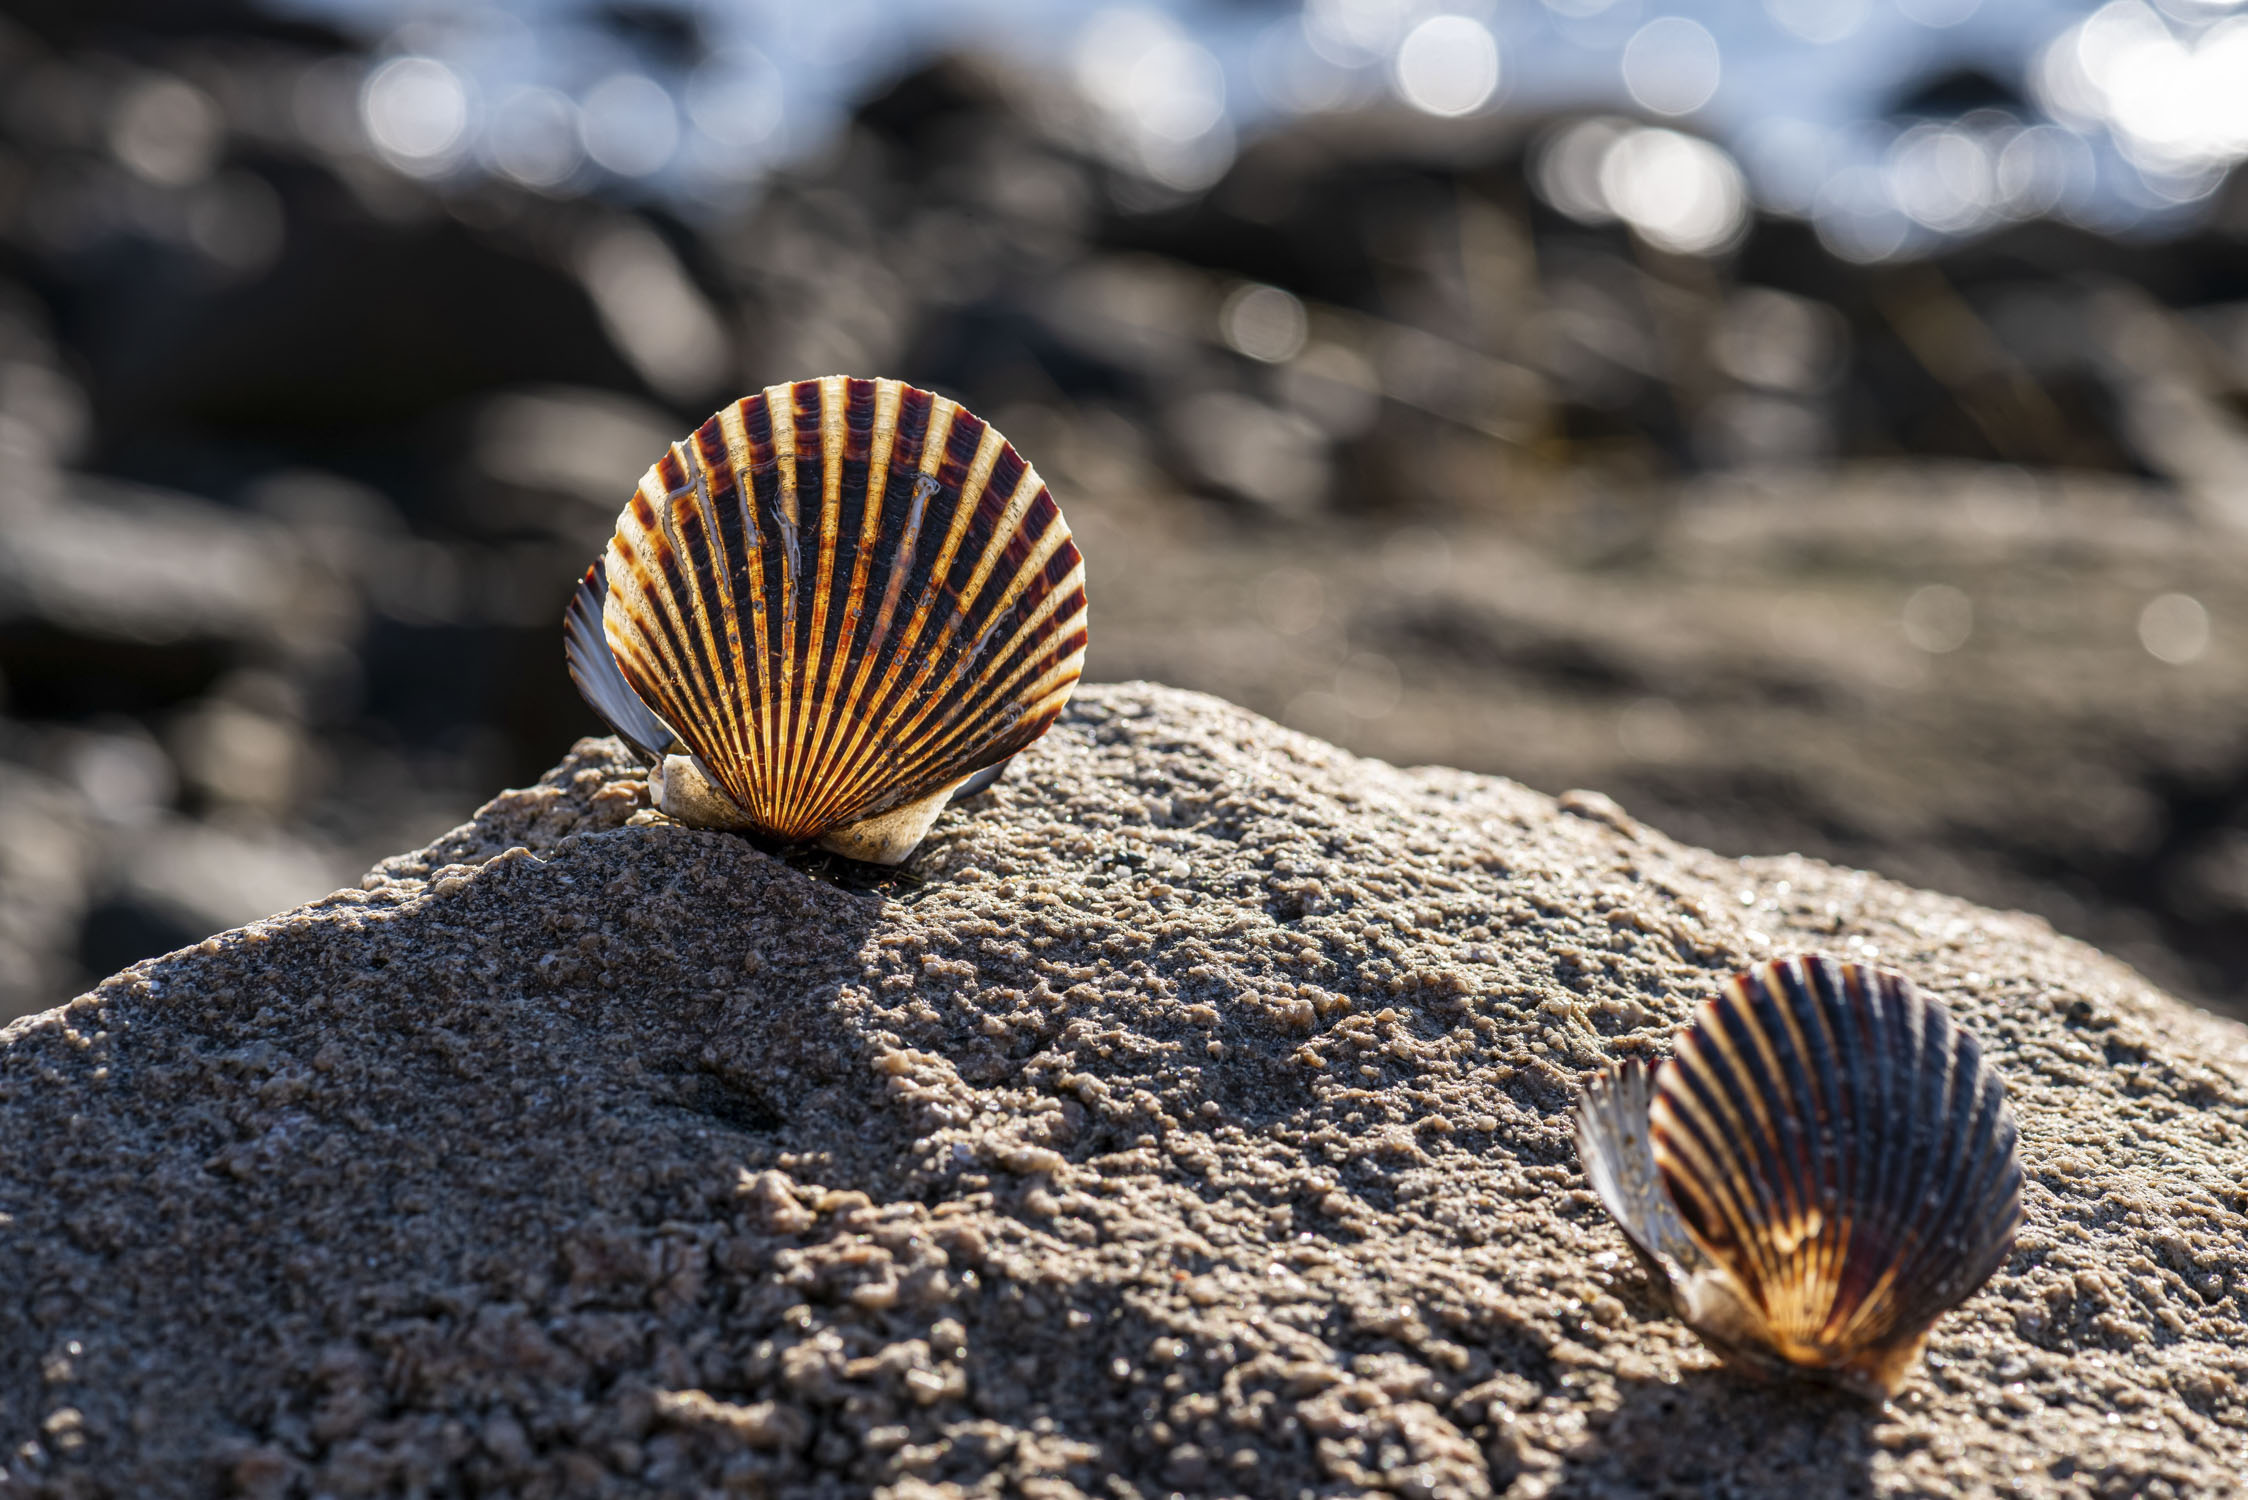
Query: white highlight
[
  {"x": 1264, "y": 323},
  {"x": 2177, "y": 104},
  {"x": 1676, "y": 192},
  {"x": 1672, "y": 66},
  {"x": 416, "y": 112},
  {"x": 2175, "y": 629},
  {"x": 1448, "y": 65},
  {"x": 1161, "y": 91}
]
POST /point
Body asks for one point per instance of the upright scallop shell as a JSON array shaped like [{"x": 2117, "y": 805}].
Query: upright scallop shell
[
  {"x": 1824, "y": 1168},
  {"x": 830, "y": 608}
]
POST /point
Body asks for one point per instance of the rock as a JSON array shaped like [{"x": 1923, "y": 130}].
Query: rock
[
  {"x": 1193, "y": 1116},
  {"x": 1750, "y": 668}
]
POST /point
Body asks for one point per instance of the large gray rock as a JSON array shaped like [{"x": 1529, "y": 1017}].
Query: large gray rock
[{"x": 1193, "y": 1117}]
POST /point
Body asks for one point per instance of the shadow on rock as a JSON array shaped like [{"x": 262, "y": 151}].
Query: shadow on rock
[{"x": 1714, "y": 1434}]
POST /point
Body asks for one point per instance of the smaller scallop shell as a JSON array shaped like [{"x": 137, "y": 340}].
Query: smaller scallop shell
[{"x": 1824, "y": 1169}]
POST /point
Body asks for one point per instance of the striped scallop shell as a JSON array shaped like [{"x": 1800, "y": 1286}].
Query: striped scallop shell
[
  {"x": 847, "y": 598},
  {"x": 1824, "y": 1168}
]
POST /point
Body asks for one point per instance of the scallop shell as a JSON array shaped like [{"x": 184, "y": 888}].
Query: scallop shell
[
  {"x": 832, "y": 607},
  {"x": 1824, "y": 1168}
]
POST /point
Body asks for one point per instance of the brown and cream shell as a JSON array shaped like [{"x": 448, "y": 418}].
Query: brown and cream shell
[
  {"x": 1821, "y": 1170},
  {"x": 831, "y": 608}
]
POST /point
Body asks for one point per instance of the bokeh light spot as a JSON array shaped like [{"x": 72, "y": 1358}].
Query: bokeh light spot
[
  {"x": 416, "y": 111},
  {"x": 1938, "y": 14},
  {"x": 1448, "y": 65},
  {"x": 1676, "y": 192},
  {"x": 1264, "y": 323},
  {"x": 1818, "y": 21},
  {"x": 1672, "y": 65},
  {"x": 2175, "y": 629},
  {"x": 533, "y": 137},
  {"x": 1938, "y": 619},
  {"x": 630, "y": 125}
]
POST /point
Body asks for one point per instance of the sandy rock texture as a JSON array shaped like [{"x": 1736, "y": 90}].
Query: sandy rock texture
[
  {"x": 1937, "y": 672},
  {"x": 1195, "y": 1120}
]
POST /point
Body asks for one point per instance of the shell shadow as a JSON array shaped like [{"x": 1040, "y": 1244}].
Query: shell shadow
[{"x": 1718, "y": 1435}]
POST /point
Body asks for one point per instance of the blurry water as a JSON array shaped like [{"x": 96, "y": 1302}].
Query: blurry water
[{"x": 1895, "y": 125}]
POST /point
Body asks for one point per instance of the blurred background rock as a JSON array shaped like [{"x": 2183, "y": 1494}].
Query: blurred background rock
[{"x": 1821, "y": 425}]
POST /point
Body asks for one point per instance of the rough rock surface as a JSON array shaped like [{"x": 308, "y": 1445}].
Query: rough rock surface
[{"x": 1195, "y": 1122}]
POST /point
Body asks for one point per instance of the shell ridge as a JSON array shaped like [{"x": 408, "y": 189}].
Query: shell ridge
[
  {"x": 1865, "y": 1288},
  {"x": 842, "y": 500},
  {"x": 1895, "y": 1035},
  {"x": 1944, "y": 1266},
  {"x": 1744, "y": 1091},
  {"x": 1716, "y": 1216},
  {"x": 793, "y": 467},
  {"x": 1928, "y": 1126},
  {"x": 1833, "y": 997},
  {"x": 791, "y": 459},
  {"x": 661, "y": 502},
  {"x": 640, "y": 617},
  {"x": 1024, "y": 713},
  {"x": 1693, "y": 1131},
  {"x": 849, "y": 498},
  {"x": 819, "y": 470},
  {"x": 1034, "y": 627},
  {"x": 904, "y": 487},
  {"x": 1688, "y": 1120},
  {"x": 966, "y": 498},
  {"x": 744, "y": 618},
  {"x": 888, "y": 487},
  {"x": 1002, "y": 512},
  {"x": 856, "y": 758},
  {"x": 805, "y": 483},
  {"x": 746, "y": 427},
  {"x": 1945, "y": 1263},
  {"x": 1829, "y": 1004},
  {"x": 1798, "y": 992},
  {"x": 1796, "y": 1112},
  {"x": 716, "y": 573},
  {"x": 691, "y": 584},
  {"x": 973, "y": 609},
  {"x": 683, "y": 575},
  {"x": 994, "y": 610},
  {"x": 1881, "y": 1024},
  {"x": 748, "y": 463},
  {"x": 926, "y": 737},
  {"x": 628, "y": 645},
  {"x": 748, "y": 576},
  {"x": 1754, "y": 1145},
  {"x": 924, "y": 420},
  {"x": 923, "y": 581},
  {"x": 786, "y": 502},
  {"x": 1867, "y": 1276}
]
